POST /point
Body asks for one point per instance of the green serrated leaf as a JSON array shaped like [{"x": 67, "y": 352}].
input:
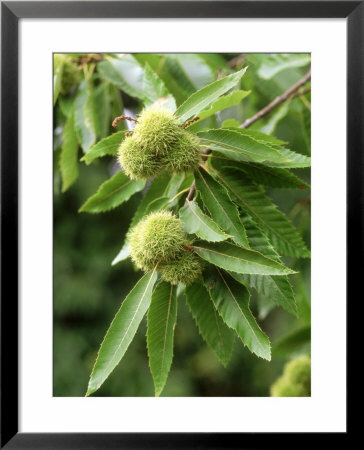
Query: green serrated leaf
[
  {"x": 231, "y": 300},
  {"x": 162, "y": 316},
  {"x": 68, "y": 158},
  {"x": 293, "y": 160},
  {"x": 194, "y": 221},
  {"x": 107, "y": 146},
  {"x": 112, "y": 193},
  {"x": 221, "y": 208},
  {"x": 155, "y": 91},
  {"x": 202, "y": 98},
  {"x": 275, "y": 288},
  {"x": 232, "y": 144},
  {"x": 124, "y": 72},
  {"x": 83, "y": 118},
  {"x": 122, "y": 330},
  {"x": 267, "y": 176},
  {"x": 255, "y": 203},
  {"x": 230, "y": 257},
  {"x": 260, "y": 136},
  {"x": 221, "y": 103},
  {"x": 212, "y": 328}
]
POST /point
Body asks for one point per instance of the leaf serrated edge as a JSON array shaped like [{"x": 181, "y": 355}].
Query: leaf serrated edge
[
  {"x": 209, "y": 85},
  {"x": 305, "y": 254},
  {"x": 98, "y": 353},
  {"x": 203, "y": 223},
  {"x": 159, "y": 391},
  {"x": 270, "y": 346},
  {"x": 200, "y": 333}
]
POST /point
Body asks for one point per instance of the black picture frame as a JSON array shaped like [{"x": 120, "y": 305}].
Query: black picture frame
[{"x": 11, "y": 12}]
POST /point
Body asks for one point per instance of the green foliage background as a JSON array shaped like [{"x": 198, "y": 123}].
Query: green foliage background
[{"x": 88, "y": 290}]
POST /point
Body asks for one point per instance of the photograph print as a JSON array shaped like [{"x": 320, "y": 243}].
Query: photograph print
[{"x": 182, "y": 225}]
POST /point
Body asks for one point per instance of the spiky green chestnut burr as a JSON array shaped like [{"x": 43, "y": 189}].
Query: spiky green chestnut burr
[
  {"x": 296, "y": 379},
  {"x": 284, "y": 388},
  {"x": 158, "y": 142},
  {"x": 158, "y": 130},
  {"x": 184, "y": 155},
  {"x": 157, "y": 239},
  {"x": 185, "y": 269},
  {"x": 299, "y": 370},
  {"x": 136, "y": 159}
]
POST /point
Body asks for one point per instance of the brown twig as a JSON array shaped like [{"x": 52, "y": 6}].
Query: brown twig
[
  {"x": 302, "y": 92},
  {"x": 277, "y": 101},
  {"x": 118, "y": 119}
]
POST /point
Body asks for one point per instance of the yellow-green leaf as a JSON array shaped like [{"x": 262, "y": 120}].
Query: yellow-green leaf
[{"x": 107, "y": 146}]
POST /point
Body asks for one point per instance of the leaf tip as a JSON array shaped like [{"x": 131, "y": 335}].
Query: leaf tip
[{"x": 89, "y": 392}]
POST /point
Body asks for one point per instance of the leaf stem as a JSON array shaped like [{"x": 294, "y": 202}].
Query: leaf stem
[{"x": 178, "y": 194}]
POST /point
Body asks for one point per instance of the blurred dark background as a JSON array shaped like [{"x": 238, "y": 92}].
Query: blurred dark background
[{"x": 88, "y": 290}]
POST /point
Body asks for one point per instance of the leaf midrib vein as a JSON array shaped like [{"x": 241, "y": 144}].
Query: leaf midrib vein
[
  {"x": 131, "y": 321},
  {"x": 243, "y": 314},
  {"x": 166, "y": 330},
  {"x": 204, "y": 98},
  {"x": 239, "y": 259},
  {"x": 203, "y": 223},
  {"x": 98, "y": 201},
  {"x": 222, "y": 208}
]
